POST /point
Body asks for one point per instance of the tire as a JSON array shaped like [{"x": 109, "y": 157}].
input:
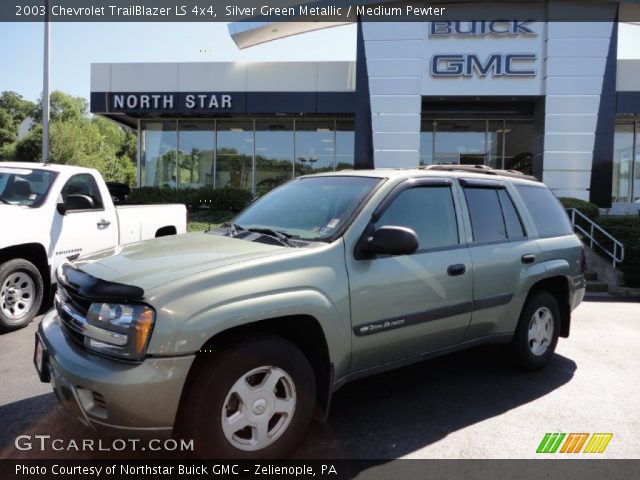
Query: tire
[
  {"x": 537, "y": 332},
  {"x": 21, "y": 293},
  {"x": 214, "y": 396}
]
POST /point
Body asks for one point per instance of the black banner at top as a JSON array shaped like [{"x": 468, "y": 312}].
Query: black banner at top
[{"x": 312, "y": 11}]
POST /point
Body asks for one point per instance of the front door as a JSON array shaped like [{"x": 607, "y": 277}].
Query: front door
[
  {"x": 83, "y": 231},
  {"x": 402, "y": 306}
]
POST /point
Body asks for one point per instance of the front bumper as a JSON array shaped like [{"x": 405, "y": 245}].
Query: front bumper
[{"x": 110, "y": 395}]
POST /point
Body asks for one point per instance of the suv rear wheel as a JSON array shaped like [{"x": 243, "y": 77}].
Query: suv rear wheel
[
  {"x": 253, "y": 400},
  {"x": 537, "y": 332}
]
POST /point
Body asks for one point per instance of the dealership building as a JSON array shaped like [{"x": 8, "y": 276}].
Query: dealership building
[{"x": 544, "y": 97}]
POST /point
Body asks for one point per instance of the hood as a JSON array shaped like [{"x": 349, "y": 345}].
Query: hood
[{"x": 152, "y": 263}]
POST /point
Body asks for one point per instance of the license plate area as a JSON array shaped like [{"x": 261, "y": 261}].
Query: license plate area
[{"x": 41, "y": 360}]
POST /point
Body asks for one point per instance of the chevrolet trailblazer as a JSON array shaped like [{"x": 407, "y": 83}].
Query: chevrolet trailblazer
[{"x": 237, "y": 337}]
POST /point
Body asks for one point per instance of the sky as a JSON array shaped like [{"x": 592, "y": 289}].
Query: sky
[{"x": 74, "y": 46}]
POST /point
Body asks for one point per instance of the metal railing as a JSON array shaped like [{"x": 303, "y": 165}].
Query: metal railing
[{"x": 591, "y": 231}]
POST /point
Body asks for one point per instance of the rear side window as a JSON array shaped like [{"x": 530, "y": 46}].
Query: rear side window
[
  {"x": 486, "y": 215},
  {"x": 511, "y": 217},
  {"x": 550, "y": 218},
  {"x": 494, "y": 218}
]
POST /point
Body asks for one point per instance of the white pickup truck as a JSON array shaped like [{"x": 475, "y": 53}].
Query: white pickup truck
[{"x": 51, "y": 214}]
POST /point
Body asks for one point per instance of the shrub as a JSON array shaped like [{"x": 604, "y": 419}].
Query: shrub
[
  {"x": 222, "y": 199},
  {"x": 591, "y": 210},
  {"x": 147, "y": 195},
  {"x": 627, "y": 230}
]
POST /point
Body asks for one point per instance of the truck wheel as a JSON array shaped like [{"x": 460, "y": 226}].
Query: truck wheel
[
  {"x": 536, "y": 336},
  {"x": 21, "y": 291},
  {"x": 253, "y": 400}
]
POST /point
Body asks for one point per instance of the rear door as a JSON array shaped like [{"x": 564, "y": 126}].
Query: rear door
[
  {"x": 501, "y": 253},
  {"x": 402, "y": 306}
]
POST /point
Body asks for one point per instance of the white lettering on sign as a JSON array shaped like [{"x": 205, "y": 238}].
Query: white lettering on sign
[
  {"x": 167, "y": 101},
  {"x": 207, "y": 101}
]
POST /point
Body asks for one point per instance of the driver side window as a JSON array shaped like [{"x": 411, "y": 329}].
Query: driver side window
[
  {"x": 429, "y": 212},
  {"x": 83, "y": 184}
]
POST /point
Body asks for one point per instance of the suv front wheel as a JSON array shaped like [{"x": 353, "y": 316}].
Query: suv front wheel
[
  {"x": 537, "y": 333},
  {"x": 252, "y": 400}
]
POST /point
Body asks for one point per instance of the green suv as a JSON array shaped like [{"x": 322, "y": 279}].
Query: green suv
[{"x": 238, "y": 336}]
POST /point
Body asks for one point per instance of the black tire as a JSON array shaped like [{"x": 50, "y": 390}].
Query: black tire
[
  {"x": 200, "y": 416},
  {"x": 522, "y": 347},
  {"x": 13, "y": 313}
]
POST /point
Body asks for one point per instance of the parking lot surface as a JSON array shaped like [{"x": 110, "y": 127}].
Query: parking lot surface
[{"x": 472, "y": 404}]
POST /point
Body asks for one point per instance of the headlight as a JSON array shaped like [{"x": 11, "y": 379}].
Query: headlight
[{"x": 121, "y": 331}]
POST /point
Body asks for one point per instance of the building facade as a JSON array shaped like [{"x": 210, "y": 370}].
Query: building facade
[{"x": 546, "y": 98}]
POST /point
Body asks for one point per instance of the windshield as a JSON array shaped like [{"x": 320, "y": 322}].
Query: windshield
[
  {"x": 308, "y": 208},
  {"x": 23, "y": 186}
]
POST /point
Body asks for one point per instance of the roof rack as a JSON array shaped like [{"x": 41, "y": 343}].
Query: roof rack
[{"x": 485, "y": 169}]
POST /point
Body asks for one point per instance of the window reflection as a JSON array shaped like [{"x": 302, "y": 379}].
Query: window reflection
[
  {"x": 158, "y": 159},
  {"x": 498, "y": 143},
  {"x": 234, "y": 154},
  {"x": 274, "y": 153},
  {"x": 256, "y": 155},
  {"x": 196, "y": 151},
  {"x": 622, "y": 162},
  {"x": 315, "y": 146},
  {"x": 345, "y": 138}
]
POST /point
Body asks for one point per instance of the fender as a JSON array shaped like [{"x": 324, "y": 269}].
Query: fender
[{"x": 189, "y": 336}]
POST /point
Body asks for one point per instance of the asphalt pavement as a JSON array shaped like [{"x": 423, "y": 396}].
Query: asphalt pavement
[{"x": 472, "y": 404}]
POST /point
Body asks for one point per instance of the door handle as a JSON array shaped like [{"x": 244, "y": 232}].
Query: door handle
[
  {"x": 456, "y": 270},
  {"x": 528, "y": 258},
  {"x": 103, "y": 223}
]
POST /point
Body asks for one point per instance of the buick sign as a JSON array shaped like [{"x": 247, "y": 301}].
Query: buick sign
[{"x": 497, "y": 28}]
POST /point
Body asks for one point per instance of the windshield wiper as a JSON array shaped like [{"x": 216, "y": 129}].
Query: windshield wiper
[
  {"x": 283, "y": 237},
  {"x": 233, "y": 228},
  {"x": 4, "y": 201}
]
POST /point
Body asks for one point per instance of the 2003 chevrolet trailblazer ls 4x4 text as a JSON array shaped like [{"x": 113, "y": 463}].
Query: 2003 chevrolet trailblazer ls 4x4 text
[{"x": 237, "y": 337}]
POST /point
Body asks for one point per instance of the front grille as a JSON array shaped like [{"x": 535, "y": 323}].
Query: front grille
[{"x": 71, "y": 308}]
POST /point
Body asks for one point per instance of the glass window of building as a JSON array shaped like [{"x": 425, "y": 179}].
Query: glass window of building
[
  {"x": 518, "y": 141},
  {"x": 495, "y": 143},
  {"x": 623, "y": 154},
  {"x": 158, "y": 157},
  {"x": 234, "y": 154},
  {"x": 196, "y": 148},
  {"x": 274, "y": 153},
  {"x": 345, "y": 139},
  {"x": 460, "y": 142},
  {"x": 314, "y": 146},
  {"x": 499, "y": 143},
  {"x": 426, "y": 141}
]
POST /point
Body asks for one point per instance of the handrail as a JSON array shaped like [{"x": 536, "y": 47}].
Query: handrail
[{"x": 616, "y": 253}]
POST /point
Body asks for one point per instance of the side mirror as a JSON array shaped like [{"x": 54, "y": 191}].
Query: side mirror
[
  {"x": 75, "y": 202},
  {"x": 391, "y": 240}
]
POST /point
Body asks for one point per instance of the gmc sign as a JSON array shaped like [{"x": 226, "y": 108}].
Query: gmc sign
[{"x": 496, "y": 65}]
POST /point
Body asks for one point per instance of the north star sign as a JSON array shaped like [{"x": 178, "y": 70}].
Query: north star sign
[
  {"x": 496, "y": 65},
  {"x": 167, "y": 102}
]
